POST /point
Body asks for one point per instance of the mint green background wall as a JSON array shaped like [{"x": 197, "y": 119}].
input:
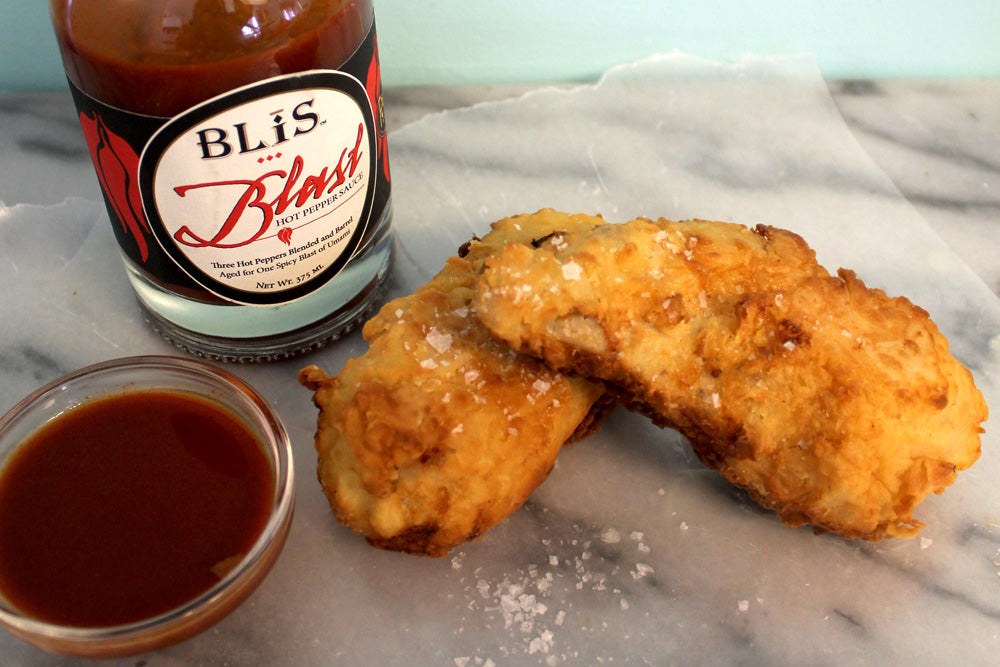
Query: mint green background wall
[{"x": 483, "y": 41}]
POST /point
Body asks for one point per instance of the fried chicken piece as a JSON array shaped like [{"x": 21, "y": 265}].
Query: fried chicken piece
[
  {"x": 829, "y": 402},
  {"x": 437, "y": 432}
]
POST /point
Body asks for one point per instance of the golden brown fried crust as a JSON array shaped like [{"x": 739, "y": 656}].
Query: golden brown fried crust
[
  {"x": 438, "y": 432},
  {"x": 829, "y": 402}
]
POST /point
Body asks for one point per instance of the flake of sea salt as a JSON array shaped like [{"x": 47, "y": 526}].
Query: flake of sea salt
[
  {"x": 610, "y": 536},
  {"x": 789, "y": 345},
  {"x": 716, "y": 402},
  {"x": 541, "y": 643},
  {"x": 743, "y": 605},
  {"x": 428, "y": 364},
  {"x": 470, "y": 376},
  {"x": 541, "y": 386},
  {"x": 571, "y": 270},
  {"x": 641, "y": 570}
]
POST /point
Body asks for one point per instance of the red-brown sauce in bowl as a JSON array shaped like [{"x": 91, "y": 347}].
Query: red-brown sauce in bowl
[{"x": 128, "y": 506}]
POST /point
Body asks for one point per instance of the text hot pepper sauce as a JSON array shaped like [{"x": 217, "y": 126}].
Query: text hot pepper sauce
[{"x": 241, "y": 149}]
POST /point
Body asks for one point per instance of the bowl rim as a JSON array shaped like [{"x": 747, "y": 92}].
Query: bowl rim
[{"x": 271, "y": 536}]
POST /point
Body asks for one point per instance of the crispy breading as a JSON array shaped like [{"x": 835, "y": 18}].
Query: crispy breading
[
  {"x": 829, "y": 402},
  {"x": 437, "y": 432}
]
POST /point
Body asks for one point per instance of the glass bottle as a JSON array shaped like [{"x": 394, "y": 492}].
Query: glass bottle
[{"x": 241, "y": 149}]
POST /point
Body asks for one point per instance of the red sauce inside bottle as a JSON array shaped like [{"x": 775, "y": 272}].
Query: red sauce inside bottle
[
  {"x": 129, "y": 506},
  {"x": 160, "y": 57}
]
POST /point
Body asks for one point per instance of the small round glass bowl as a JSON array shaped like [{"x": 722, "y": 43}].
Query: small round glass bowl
[{"x": 177, "y": 375}]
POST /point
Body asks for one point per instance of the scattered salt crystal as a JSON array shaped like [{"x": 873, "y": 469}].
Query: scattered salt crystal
[
  {"x": 641, "y": 570},
  {"x": 684, "y": 525},
  {"x": 399, "y": 313},
  {"x": 743, "y": 605},
  {"x": 623, "y": 604},
  {"x": 560, "y": 617},
  {"x": 553, "y": 560},
  {"x": 571, "y": 270},
  {"x": 428, "y": 363},
  {"x": 541, "y": 643},
  {"x": 925, "y": 542},
  {"x": 789, "y": 345},
  {"x": 541, "y": 386},
  {"x": 462, "y": 311},
  {"x": 470, "y": 376},
  {"x": 635, "y": 535},
  {"x": 610, "y": 536},
  {"x": 716, "y": 402},
  {"x": 458, "y": 429}
]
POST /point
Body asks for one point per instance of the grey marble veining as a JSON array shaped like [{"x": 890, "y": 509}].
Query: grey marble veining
[{"x": 630, "y": 553}]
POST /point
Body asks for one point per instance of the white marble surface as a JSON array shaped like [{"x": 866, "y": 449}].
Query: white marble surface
[{"x": 630, "y": 553}]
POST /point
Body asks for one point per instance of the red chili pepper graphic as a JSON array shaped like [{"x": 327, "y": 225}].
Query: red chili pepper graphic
[
  {"x": 285, "y": 235},
  {"x": 117, "y": 167},
  {"x": 374, "y": 88}
]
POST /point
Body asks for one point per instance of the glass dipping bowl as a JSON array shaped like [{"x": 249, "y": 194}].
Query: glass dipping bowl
[{"x": 178, "y": 375}]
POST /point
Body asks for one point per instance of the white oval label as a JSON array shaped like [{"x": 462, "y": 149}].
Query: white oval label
[{"x": 263, "y": 194}]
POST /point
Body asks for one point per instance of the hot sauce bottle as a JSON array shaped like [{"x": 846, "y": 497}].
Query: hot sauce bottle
[{"x": 241, "y": 149}]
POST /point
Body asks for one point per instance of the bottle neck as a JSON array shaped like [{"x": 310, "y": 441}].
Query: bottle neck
[{"x": 159, "y": 58}]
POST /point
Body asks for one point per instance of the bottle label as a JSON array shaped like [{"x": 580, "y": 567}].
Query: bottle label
[{"x": 260, "y": 195}]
